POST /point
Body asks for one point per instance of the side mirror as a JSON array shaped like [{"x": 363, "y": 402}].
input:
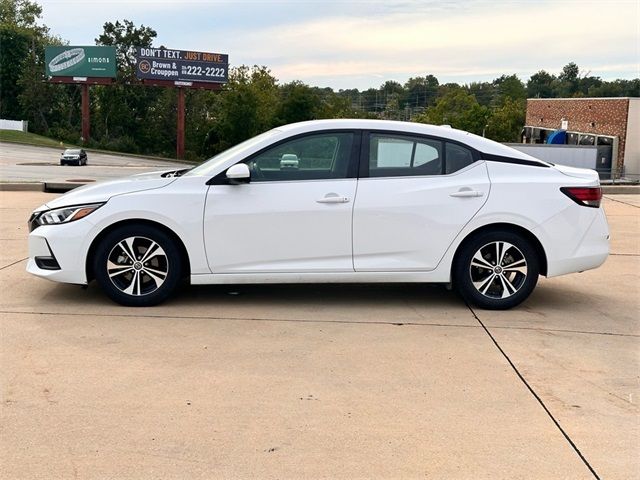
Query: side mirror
[{"x": 238, "y": 173}]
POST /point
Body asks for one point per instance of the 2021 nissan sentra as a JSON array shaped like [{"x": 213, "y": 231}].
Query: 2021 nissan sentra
[{"x": 365, "y": 201}]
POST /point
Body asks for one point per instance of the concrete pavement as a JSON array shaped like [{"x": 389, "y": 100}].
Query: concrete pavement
[{"x": 337, "y": 381}]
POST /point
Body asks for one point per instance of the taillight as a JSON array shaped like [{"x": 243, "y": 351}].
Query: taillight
[{"x": 585, "y": 196}]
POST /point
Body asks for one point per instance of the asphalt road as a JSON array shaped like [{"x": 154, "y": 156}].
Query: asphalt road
[
  {"x": 311, "y": 381},
  {"x": 26, "y": 163}
]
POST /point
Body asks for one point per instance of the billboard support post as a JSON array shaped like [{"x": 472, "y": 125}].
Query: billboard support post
[
  {"x": 180, "y": 139},
  {"x": 85, "y": 113}
]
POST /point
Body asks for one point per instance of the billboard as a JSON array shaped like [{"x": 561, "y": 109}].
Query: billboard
[
  {"x": 73, "y": 61},
  {"x": 181, "y": 65}
]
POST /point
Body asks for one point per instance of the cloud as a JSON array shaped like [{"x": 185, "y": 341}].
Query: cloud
[
  {"x": 336, "y": 42},
  {"x": 517, "y": 38}
]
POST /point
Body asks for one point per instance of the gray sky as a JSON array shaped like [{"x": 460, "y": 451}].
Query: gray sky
[{"x": 357, "y": 43}]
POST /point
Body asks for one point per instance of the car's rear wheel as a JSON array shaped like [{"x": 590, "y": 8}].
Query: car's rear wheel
[
  {"x": 496, "y": 270},
  {"x": 137, "y": 265}
]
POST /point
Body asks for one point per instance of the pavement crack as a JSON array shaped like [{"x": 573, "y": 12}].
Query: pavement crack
[
  {"x": 247, "y": 319},
  {"x": 620, "y": 201},
  {"x": 535, "y": 395},
  {"x": 14, "y": 263},
  {"x": 299, "y": 320},
  {"x": 566, "y": 330}
]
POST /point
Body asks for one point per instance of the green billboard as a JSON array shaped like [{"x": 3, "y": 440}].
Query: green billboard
[{"x": 73, "y": 61}]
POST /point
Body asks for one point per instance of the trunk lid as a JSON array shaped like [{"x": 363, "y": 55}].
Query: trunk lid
[{"x": 583, "y": 173}]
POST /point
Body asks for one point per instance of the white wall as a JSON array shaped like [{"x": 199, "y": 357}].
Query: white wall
[
  {"x": 582, "y": 156},
  {"x": 19, "y": 125},
  {"x": 632, "y": 142}
]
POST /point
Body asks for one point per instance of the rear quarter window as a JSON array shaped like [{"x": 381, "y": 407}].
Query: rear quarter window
[{"x": 457, "y": 157}]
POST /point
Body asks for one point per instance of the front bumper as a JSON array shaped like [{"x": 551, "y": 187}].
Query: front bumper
[{"x": 59, "y": 252}]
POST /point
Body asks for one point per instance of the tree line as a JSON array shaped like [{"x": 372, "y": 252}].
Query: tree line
[{"x": 129, "y": 117}]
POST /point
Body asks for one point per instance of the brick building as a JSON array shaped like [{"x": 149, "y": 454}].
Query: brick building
[{"x": 611, "y": 124}]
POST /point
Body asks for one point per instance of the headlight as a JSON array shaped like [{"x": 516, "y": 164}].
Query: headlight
[{"x": 64, "y": 215}]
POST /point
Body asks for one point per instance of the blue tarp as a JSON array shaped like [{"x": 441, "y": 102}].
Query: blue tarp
[{"x": 559, "y": 137}]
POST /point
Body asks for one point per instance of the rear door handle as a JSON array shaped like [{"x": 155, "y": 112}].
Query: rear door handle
[
  {"x": 333, "y": 198},
  {"x": 466, "y": 193}
]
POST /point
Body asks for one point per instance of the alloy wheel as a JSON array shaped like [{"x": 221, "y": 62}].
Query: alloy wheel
[
  {"x": 498, "y": 270},
  {"x": 137, "y": 266}
]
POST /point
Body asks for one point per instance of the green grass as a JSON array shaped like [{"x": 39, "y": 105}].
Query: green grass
[{"x": 14, "y": 136}]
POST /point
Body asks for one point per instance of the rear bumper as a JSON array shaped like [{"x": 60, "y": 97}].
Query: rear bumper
[{"x": 579, "y": 249}]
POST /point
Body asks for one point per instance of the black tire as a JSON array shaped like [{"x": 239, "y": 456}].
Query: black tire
[
  {"x": 482, "y": 282},
  {"x": 133, "y": 282}
]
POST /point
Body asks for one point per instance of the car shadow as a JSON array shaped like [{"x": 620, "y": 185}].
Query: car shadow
[{"x": 202, "y": 298}]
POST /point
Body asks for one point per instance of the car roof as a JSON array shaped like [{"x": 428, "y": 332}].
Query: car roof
[{"x": 477, "y": 142}]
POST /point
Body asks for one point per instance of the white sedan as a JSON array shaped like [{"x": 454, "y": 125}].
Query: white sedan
[{"x": 364, "y": 201}]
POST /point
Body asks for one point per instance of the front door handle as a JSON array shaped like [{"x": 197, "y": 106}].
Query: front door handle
[
  {"x": 333, "y": 198},
  {"x": 462, "y": 193}
]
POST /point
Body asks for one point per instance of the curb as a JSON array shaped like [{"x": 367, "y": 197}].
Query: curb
[
  {"x": 620, "y": 189},
  {"x": 21, "y": 187},
  {"x": 53, "y": 187}
]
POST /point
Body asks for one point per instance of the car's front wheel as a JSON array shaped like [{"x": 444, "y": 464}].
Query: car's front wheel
[
  {"x": 496, "y": 270},
  {"x": 137, "y": 265}
]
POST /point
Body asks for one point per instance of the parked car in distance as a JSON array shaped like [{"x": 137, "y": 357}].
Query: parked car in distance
[
  {"x": 367, "y": 201},
  {"x": 73, "y": 156},
  {"x": 289, "y": 160}
]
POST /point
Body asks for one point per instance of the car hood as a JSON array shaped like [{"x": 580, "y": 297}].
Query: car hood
[{"x": 103, "y": 191}]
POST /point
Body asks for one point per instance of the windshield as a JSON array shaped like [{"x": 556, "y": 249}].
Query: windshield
[
  {"x": 70, "y": 151},
  {"x": 208, "y": 167}
]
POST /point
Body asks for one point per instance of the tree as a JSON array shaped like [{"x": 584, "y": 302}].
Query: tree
[
  {"x": 483, "y": 91},
  {"x": 569, "y": 80},
  {"x": 372, "y": 100},
  {"x": 616, "y": 88},
  {"x": 123, "y": 113},
  {"x": 509, "y": 87},
  {"x": 25, "y": 93},
  {"x": 22, "y": 14},
  {"x": 126, "y": 37},
  {"x": 246, "y": 107},
  {"x": 22, "y": 43},
  {"x": 298, "y": 102},
  {"x": 506, "y": 122},
  {"x": 421, "y": 91},
  {"x": 541, "y": 85},
  {"x": 391, "y": 86},
  {"x": 337, "y": 105},
  {"x": 458, "y": 109}
]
